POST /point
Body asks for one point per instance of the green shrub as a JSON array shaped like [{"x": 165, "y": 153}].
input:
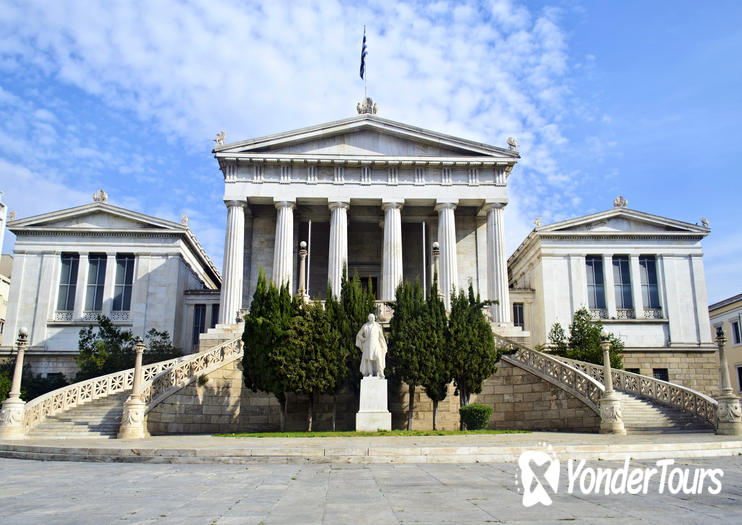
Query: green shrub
[{"x": 475, "y": 416}]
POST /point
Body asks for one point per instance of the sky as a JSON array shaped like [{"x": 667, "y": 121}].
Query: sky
[{"x": 640, "y": 99}]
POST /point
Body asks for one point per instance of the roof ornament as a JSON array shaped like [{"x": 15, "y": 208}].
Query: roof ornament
[
  {"x": 512, "y": 144},
  {"x": 11, "y": 216},
  {"x": 620, "y": 202},
  {"x": 184, "y": 219},
  {"x": 368, "y": 107},
  {"x": 100, "y": 196},
  {"x": 537, "y": 222},
  {"x": 220, "y": 138},
  {"x": 705, "y": 222}
]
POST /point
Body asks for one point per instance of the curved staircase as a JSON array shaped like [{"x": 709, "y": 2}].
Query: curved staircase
[
  {"x": 640, "y": 416},
  {"x": 97, "y": 419}
]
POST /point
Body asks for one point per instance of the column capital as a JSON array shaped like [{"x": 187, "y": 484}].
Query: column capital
[
  {"x": 489, "y": 206},
  {"x": 341, "y": 204},
  {"x": 443, "y": 205},
  {"x": 233, "y": 203},
  {"x": 285, "y": 204},
  {"x": 392, "y": 203}
]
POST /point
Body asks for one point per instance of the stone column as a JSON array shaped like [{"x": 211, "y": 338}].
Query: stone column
[
  {"x": 109, "y": 285},
  {"x": 447, "y": 238},
  {"x": 11, "y": 414},
  {"x": 234, "y": 247},
  {"x": 392, "y": 256},
  {"x": 283, "y": 250},
  {"x": 729, "y": 411},
  {"x": 497, "y": 263},
  {"x": 636, "y": 286},
  {"x": 610, "y": 290},
  {"x": 338, "y": 258},
  {"x": 132, "y": 418},
  {"x": 303, "y": 272},
  {"x": 611, "y": 415}
]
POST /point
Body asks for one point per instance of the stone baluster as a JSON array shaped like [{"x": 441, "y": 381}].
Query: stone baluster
[
  {"x": 338, "y": 257},
  {"x": 132, "y": 419},
  {"x": 729, "y": 412},
  {"x": 11, "y": 414},
  {"x": 611, "y": 415},
  {"x": 392, "y": 253},
  {"x": 234, "y": 252},
  {"x": 497, "y": 263},
  {"x": 447, "y": 238},
  {"x": 283, "y": 250}
]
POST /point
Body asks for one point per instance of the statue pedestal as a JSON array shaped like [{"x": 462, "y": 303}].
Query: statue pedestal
[{"x": 373, "y": 414}]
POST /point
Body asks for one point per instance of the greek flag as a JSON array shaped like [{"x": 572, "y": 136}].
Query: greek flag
[{"x": 364, "y": 52}]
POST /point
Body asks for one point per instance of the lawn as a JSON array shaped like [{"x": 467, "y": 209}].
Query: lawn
[{"x": 383, "y": 433}]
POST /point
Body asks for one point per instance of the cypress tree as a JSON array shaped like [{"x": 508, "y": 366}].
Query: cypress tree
[
  {"x": 472, "y": 345},
  {"x": 438, "y": 373}
]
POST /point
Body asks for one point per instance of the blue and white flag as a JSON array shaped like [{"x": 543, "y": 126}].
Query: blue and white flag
[{"x": 363, "y": 54}]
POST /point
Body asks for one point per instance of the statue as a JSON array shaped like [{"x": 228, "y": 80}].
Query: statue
[
  {"x": 620, "y": 202},
  {"x": 512, "y": 144},
  {"x": 370, "y": 340},
  {"x": 220, "y": 138}
]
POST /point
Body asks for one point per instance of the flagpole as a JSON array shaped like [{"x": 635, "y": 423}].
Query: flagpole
[{"x": 365, "y": 73}]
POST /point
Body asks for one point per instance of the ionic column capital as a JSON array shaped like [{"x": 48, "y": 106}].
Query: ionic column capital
[
  {"x": 285, "y": 204},
  {"x": 338, "y": 205},
  {"x": 235, "y": 203},
  {"x": 392, "y": 204},
  {"x": 450, "y": 205}
]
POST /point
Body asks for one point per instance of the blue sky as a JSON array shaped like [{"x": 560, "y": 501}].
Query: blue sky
[{"x": 640, "y": 99}]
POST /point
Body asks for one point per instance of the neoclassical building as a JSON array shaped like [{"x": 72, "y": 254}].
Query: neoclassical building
[
  {"x": 70, "y": 266},
  {"x": 369, "y": 193}
]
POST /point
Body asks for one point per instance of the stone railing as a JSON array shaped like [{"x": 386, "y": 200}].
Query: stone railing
[
  {"x": 662, "y": 392},
  {"x": 653, "y": 313},
  {"x": 56, "y": 401},
  {"x": 63, "y": 315},
  {"x": 625, "y": 313},
  {"x": 158, "y": 387},
  {"x": 565, "y": 376},
  {"x": 599, "y": 313}
]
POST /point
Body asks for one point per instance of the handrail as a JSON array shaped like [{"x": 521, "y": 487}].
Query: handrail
[
  {"x": 159, "y": 387},
  {"x": 70, "y": 396},
  {"x": 570, "y": 378},
  {"x": 662, "y": 392}
]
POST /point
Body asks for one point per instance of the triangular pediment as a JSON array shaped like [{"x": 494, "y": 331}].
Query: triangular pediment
[
  {"x": 622, "y": 221},
  {"x": 95, "y": 216},
  {"x": 365, "y": 135}
]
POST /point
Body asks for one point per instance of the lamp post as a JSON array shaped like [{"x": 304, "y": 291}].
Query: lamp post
[
  {"x": 729, "y": 412},
  {"x": 611, "y": 415},
  {"x": 11, "y": 414},
  {"x": 132, "y": 419},
  {"x": 303, "y": 271},
  {"x": 436, "y": 267}
]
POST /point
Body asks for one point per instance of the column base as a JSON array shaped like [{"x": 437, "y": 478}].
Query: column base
[
  {"x": 729, "y": 416},
  {"x": 11, "y": 419},
  {"x": 611, "y": 416},
  {"x": 132, "y": 420}
]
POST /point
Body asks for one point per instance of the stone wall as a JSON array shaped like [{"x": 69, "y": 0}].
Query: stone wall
[
  {"x": 696, "y": 370},
  {"x": 524, "y": 401}
]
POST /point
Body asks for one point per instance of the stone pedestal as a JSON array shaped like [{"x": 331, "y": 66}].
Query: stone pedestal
[
  {"x": 11, "y": 419},
  {"x": 611, "y": 417},
  {"x": 132, "y": 420},
  {"x": 373, "y": 413},
  {"x": 729, "y": 414}
]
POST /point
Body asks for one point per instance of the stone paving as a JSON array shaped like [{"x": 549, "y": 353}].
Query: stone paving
[{"x": 97, "y": 493}]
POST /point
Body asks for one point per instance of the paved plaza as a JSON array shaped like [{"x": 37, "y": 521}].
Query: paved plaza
[{"x": 71, "y": 492}]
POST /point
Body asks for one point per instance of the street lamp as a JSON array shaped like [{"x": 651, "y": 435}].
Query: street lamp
[{"x": 11, "y": 414}]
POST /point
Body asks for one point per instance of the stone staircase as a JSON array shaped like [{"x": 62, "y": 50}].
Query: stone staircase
[
  {"x": 641, "y": 416},
  {"x": 97, "y": 419}
]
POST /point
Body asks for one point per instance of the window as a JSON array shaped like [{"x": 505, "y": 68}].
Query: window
[
  {"x": 736, "y": 335},
  {"x": 739, "y": 378},
  {"x": 96, "y": 278},
  {"x": 2, "y": 325},
  {"x": 650, "y": 290},
  {"x": 518, "y": 315},
  {"x": 68, "y": 281},
  {"x": 124, "y": 280},
  {"x": 595, "y": 291},
  {"x": 633, "y": 370},
  {"x": 622, "y": 281},
  {"x": 214, "y": 314},
  {"x": 661, "y": 374},
  {"x": 199, "y": 321}
]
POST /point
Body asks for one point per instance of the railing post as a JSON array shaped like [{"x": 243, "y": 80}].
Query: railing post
[
  {"x": 729, "y": 412},
  {"x": 132, "y": 419},
  {"x": 611, "y": 416},
  {"x": 11, "y": 414}
]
